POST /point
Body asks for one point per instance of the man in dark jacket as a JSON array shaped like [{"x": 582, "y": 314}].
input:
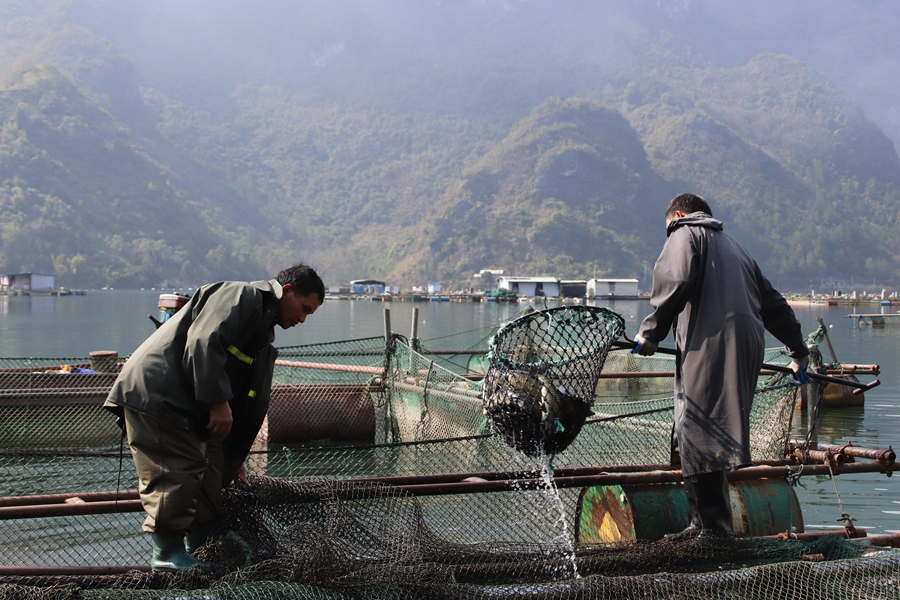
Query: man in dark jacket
[
  {"x": 193, "y": 397},
  {"x": 712, "y": 292}
]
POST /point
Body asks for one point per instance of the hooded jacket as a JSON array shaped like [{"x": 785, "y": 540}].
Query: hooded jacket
[
  {"x": 709, "y": 288},
  {"x": 217, "y": 348}
]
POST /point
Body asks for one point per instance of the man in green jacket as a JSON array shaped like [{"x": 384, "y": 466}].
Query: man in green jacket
[{"x": 193, "y": 397}]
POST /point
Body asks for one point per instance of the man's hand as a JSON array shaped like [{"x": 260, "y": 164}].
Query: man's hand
[
  {"x": 242, "y": 474},
  {"x": 644, "y": 347},
  {"x": 798, "y": 372},
  {"x": 220, "y": 420}
]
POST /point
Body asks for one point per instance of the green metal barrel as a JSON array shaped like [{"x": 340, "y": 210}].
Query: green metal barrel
[{"x": 615, "y": 513}]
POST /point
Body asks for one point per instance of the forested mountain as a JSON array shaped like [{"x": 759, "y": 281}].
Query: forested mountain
[{"x": 417, "y": 141}]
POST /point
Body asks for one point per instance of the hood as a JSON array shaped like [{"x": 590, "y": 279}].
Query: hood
[
  {"x": 697, "y": 219},
  {"x": 271, "y": 286}
]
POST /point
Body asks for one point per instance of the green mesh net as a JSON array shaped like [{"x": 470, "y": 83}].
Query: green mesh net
[{"x": 378, "y": 475}]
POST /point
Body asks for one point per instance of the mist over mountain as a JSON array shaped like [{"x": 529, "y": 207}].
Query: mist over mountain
[{"x": 415, "y": 140}]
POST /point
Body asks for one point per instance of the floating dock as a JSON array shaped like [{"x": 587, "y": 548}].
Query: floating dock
[{"x": 875, "y": 319}]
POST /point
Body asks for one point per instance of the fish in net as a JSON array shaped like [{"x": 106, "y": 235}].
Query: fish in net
[{"x": 542, "y": 375}]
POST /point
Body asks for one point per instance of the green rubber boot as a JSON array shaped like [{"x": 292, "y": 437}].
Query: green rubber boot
[
  {"x": 198, "y": 535},
  {"x": 169, "y": 554}
]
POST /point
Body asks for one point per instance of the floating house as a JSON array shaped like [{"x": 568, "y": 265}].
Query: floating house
[
  {"x": 27, "y": 282},
  {"x": 367, "y": 286},
  {"x": 530, "y": 286},
  {"x": 612, "y": 288}
]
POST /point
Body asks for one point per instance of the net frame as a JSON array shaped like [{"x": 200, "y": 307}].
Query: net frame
[{"x": 543, "y": 372}]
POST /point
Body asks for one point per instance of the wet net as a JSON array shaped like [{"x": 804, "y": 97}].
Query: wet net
[
  {"x": 378, "y": 475},
  {"x": 543, "y": 374}
]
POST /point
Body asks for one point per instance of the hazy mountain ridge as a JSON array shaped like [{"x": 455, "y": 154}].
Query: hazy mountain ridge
[
  {"x": 797, "y": 169},
  {"x": 233, "y": 176},
  {"x": 558, "y": 195},
  {"x": 81, "y": 198}
]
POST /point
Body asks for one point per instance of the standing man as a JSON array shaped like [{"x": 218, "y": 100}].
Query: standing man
[
  {"x": 193, "y": 397},
  {"x": 712, "y": 292}
]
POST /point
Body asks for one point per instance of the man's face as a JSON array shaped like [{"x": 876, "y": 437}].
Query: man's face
[{"x": 293, "y": 308}]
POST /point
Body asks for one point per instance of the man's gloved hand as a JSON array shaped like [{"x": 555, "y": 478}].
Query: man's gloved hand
[
  {"x": 644, "y": 347},
  {"x": 798, "y": 372}
]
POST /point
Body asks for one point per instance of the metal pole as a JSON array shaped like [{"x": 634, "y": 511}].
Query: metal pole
[
  {"x": 415, "y": 324},
  {"x": 470, "y": 485},
  {"x": 61, "y": 510},
  {"x": 387, "y": 325},
  {"x": 34, "y": 576},
  {"x": 827, "y": 339},
  {"x": 881, "y": 455},
  {"x": 813, "y": 396},
  {"x": 70, "y": 498}
]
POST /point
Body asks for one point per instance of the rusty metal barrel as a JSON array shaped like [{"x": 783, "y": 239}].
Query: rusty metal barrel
[
  {"x": 615, "y": 513},
  {"x": 836, "y": 395},
  {"x": 320, "y": 412},
  {"x": 104, "y": 361}
]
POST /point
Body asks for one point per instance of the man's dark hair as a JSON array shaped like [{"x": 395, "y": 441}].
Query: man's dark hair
[
  {"x": 687, "y": 203},
  {"x": 303, "y": 279}
]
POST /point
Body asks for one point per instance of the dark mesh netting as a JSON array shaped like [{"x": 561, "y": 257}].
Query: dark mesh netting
[
  {"x": 543, "y": 373},
  {"x": 344, "y": 539}
]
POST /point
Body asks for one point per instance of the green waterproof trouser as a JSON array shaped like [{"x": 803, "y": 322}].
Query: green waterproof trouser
[{"x": 179, "y": 474}]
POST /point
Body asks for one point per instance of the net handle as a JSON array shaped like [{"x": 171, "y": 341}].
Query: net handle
[{"x": 859, "y": 387}]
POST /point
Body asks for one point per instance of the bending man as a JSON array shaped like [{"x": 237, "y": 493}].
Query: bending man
[
  {"x": 712, "y": 292},
  {"x": 193, "y": 397}
]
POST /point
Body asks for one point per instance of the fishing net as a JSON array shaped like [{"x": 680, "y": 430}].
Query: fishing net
[
  {"x": 413, "y": 495},
  {"x": 543, "y": 374},
  {"x": 345, "y": 539}
]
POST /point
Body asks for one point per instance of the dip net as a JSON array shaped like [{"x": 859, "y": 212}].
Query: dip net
[
  {"x": 543, "y": 374},
  {"x": 415, "y": 495}
]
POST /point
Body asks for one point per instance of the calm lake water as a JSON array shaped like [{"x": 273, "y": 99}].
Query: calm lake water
[{"x": 73, "y": 326}]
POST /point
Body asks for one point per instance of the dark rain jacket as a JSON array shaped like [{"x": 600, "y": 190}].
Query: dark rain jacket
[
  {"x": 712, "y": 292},
  {"x": 217, "y": 348}
]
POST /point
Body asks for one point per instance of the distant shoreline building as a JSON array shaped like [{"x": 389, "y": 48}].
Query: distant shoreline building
[
  {"x": 569, "y": 288},
  {"x": 529, "y": 286},
  {"x": 612, "y": 288},
  {"x": 27, "y": 282},
  {"x": 367, "y": 286}
]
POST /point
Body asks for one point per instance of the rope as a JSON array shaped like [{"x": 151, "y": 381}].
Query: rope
[
  {"x": 793, "y": 479},
  {"x": 629, "y": 415},
  {"x": 121, "y": 459},
  {"x": 845, "y": 518},
  {"x": 423, "y": 414}
]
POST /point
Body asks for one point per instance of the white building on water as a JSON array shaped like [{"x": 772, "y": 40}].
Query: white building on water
[
  {"x": 612, "y": 288},
  {"x": 27, "y": 282},
  {"x": 574, "y": 288},
  {"x": 529, "y": 286}
]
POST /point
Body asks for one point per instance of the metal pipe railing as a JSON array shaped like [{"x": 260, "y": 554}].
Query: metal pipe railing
[{"x": 470, "y": 483}]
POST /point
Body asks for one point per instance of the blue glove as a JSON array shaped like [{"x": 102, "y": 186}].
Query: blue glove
[
  {"x": 798, "y": 372},
  {"x": 644, "y": 347}
]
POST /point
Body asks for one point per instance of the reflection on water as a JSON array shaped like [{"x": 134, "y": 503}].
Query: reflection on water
[{"x": 846, "y": 424}]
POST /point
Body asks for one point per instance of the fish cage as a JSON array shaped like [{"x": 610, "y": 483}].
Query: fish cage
[{"x": 380, "y": 473}]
